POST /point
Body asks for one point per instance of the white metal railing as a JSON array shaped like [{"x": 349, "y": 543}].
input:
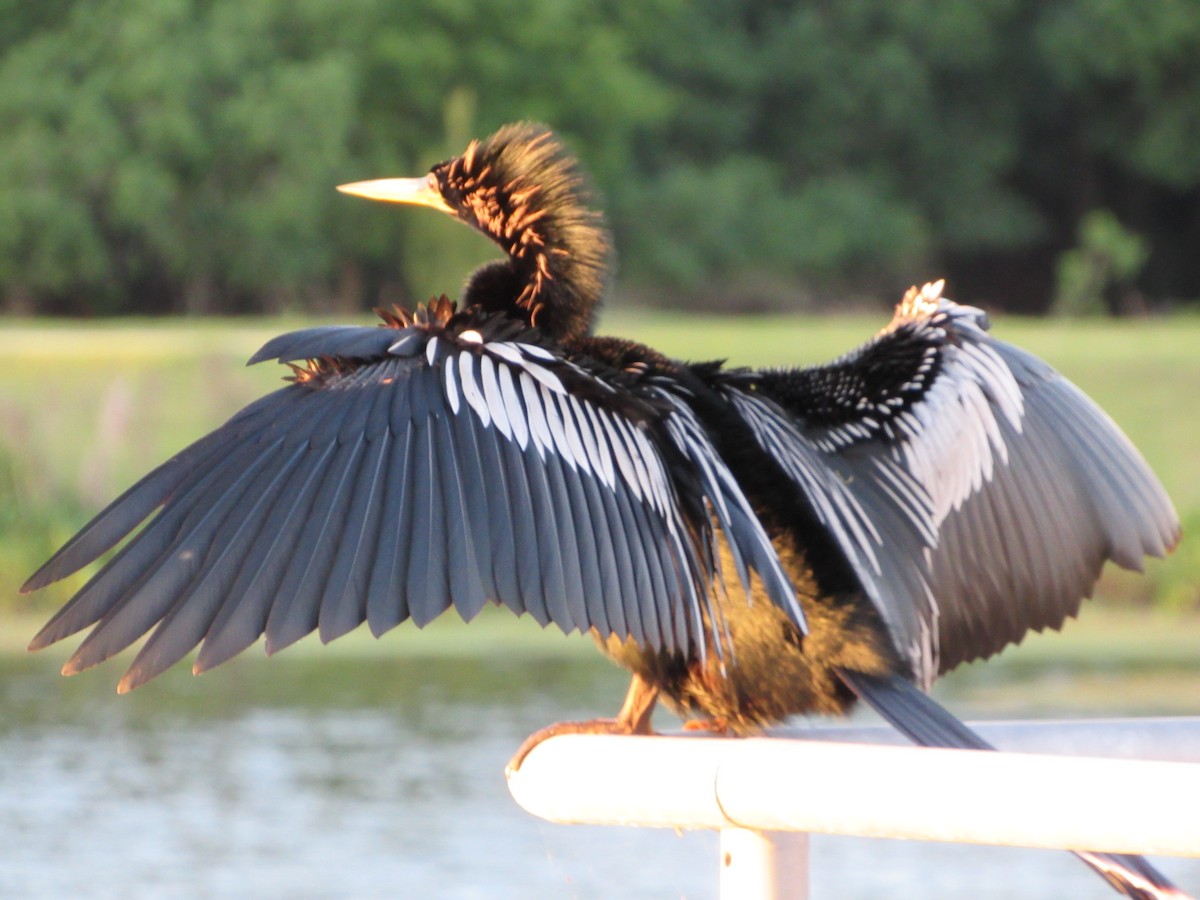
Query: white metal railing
[{"x": 765, "y": 795}]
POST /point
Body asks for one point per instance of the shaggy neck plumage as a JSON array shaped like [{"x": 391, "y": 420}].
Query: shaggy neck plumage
[{"x": 521, "y": 189}]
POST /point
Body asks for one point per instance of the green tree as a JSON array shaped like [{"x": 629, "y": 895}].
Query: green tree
[
  {"x": 162, "y": 155},
  {"x": 168, "y": 155},
  {"x": 1125, "y": 78},
  {"x": 1097, "y": 276}
]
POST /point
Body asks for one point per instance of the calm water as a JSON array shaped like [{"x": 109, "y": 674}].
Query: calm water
[{"x": 327, "y": 776}]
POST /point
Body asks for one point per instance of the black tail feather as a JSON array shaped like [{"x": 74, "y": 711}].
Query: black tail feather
[{"x": 924, "y": 722}]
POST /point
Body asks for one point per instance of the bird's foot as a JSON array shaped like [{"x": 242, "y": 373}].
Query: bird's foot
[
  {"x": 634, "y": 718},
  {"x": 592, "y": 726},
  {"x": 716, "y": 725}
]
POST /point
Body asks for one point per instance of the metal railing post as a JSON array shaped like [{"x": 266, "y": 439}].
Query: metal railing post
[{"x": 763, "y": 865}]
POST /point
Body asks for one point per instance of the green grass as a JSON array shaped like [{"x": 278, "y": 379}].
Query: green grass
[{"x": 86, "y": 408}]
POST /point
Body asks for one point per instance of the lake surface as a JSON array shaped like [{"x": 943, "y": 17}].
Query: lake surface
[{"x": 335, "y": 775}]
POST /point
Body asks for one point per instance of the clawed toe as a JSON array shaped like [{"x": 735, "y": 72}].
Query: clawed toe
[
  {"x": 592, "y": 726},
  {"x": 634, "y": 718},
  {"x": 711, "y": 726}
]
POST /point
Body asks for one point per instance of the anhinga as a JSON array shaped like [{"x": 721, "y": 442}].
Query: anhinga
[{"x": 751, "y": 544}]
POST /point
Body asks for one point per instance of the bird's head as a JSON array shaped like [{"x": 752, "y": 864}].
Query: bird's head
[{"x": 523, "y": 190}]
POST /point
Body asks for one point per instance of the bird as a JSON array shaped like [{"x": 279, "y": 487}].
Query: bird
[{"x": 751, "y": 544}]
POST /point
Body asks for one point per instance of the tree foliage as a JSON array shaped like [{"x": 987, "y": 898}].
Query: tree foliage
[
  {"x": 1098, "y": 275},
  {"x": 179, "y": 155}
]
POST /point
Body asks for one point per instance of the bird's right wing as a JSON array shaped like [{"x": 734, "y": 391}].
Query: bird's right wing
[{"x": 409, "y": 469}]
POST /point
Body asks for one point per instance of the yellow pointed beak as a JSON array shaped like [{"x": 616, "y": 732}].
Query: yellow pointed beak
[{"x": 418, "y": 191}]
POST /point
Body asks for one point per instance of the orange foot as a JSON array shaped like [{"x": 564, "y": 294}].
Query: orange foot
[
  {"x": 592, "y": 726},
  {"x": 712, "y": 726},
  {"x": 634, "y": 718}
]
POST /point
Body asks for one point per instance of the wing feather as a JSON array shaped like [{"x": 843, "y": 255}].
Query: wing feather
[
  {"x": 428, "y": 577},
  {"x": 597, "y": 567},
  {"x": 345, "y": 341},
  {"x": 243, "y": 617},
  {"x": 343, "y": 601},
  {"x": 545, "y": 573},
  {"x": 174, "y": 570},
  {"x": 387, "y": 597},
  {"x": 193, "y": 614},
  {"x": 132, "y": 563},
  {"x": 409, "y": 470},
  {"x": 298, "y": 612},
  {"x": 642, "y": 609},
  {"x": 527, "y": 504},
  {"x": 495, "y": 549},
  {"x": 973, "y": 491},
  {"x": 124, "y": 514},
  {"x": 471, "y": 583}
]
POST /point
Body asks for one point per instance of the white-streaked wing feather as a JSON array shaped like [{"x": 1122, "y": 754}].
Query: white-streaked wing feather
[
  {"x": 997, "y": 488},
  {"x": 414, "y": 473}
]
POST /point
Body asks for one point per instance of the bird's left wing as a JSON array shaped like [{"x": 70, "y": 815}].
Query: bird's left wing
[
  {"x": 974, "y": 492},
  {"x": 436, "y": 463}
]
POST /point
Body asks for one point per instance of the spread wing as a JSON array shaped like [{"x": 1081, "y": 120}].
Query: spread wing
[
  {"x": 974, "y": 491},
  {"x": 407, "y": 470}
]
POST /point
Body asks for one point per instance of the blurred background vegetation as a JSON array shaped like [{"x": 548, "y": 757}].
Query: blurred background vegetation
[
  {"x": 170, "y": 156},
  {"x": 178, "y": 157}
]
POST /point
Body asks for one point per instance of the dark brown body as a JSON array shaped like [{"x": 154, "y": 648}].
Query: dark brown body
[{"x": 769, "y": 671}]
